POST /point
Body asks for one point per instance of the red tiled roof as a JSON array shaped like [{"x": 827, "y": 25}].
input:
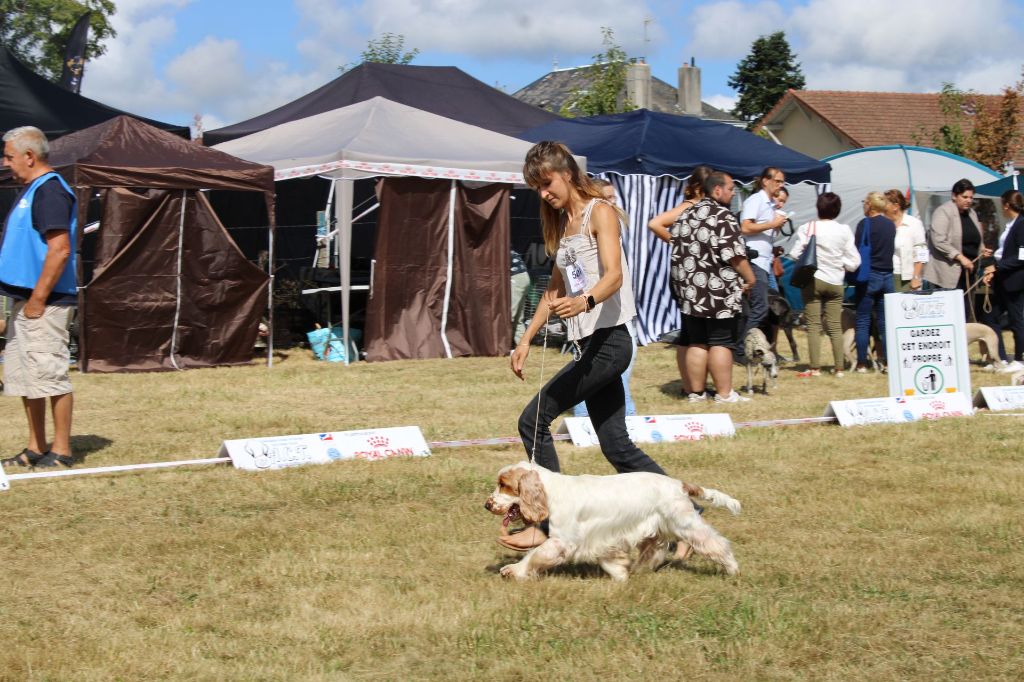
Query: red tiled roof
[{"x": 870, "y": 119}]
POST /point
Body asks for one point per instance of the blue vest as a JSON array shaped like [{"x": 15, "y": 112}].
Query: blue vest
[{"x": 24, "y": 249}]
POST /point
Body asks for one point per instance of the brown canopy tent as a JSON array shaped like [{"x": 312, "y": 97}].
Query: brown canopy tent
[{"x": 170, "y": 289}]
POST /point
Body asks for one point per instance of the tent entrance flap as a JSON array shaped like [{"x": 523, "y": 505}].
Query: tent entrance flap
[{"x": 441, "y": 275}]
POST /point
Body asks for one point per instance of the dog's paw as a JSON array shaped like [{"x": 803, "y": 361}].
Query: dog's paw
[{"x": 512, "y": 572}]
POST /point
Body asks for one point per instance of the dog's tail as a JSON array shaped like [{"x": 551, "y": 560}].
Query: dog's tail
[{"x": 716, "y": 498}]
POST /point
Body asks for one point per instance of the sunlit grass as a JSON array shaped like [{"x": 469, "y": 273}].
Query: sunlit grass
[{"x": 885, "y": 552}]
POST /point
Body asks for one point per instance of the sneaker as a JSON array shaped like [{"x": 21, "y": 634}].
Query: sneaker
[
  {"x": 809, "y": 373},
  {"x": 734, "y": 397},
  {"x": 861, "y": 369},
  {"x": 995, "y": 366},
  {"x": 838, "y": 374},
  {"x": 697, "y": 397},
  {"x": 1014, "y": 366}
]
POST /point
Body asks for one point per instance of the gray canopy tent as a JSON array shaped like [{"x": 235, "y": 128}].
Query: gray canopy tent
[{"x": 380, "y": 138}]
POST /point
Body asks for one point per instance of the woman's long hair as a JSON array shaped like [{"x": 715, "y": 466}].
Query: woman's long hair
[
  {"x": 543, "y": 159},
  {"x": 694, "y": 188},
  {"x": 1013, "y": 199}
]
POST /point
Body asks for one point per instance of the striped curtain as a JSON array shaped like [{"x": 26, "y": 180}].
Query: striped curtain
[{"x": 643, "y": 197}]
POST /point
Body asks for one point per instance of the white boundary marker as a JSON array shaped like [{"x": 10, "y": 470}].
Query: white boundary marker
[{"x": 502, "y": 440}]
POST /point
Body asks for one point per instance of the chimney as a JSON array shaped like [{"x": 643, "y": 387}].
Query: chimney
[
  {"x": 689, "y": 89},
  {"x": 638, "y": 85}
]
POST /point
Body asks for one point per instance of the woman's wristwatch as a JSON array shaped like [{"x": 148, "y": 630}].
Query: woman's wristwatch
[{"x": 591, "y": 303}]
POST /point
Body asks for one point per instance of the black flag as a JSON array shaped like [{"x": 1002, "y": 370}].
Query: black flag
[{"x": 74, "y": 55}]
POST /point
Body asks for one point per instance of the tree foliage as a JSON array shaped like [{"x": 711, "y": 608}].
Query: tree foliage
[
  {"x": 605, "y": 93},
  {"x": 978, "y": 127},
  {"x": 388, "y": 49},
  {"x": 764, "y": 76},
  {"x": 37, "y": 31}
]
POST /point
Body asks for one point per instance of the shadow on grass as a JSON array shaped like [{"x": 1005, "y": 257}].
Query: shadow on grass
[
  {"x": 83, "y": 446},
  {"x": 594, "y": 572}
]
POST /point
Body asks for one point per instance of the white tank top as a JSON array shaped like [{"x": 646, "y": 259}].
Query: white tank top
[{"x": 578, "y": 263}]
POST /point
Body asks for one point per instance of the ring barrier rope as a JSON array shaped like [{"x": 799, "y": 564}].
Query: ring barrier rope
[{"x": 466, "y": 442}]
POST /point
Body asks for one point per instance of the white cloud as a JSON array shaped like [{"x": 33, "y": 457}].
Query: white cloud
[
  {"x": 214, "y": 77},
  {"x": 906, "y": 45},
  {"x": 909, "y": 45},
  {"x": 723, "y": 102},
  {"x": 489, "y": 30},
  {"x": 725, "y": 30}
]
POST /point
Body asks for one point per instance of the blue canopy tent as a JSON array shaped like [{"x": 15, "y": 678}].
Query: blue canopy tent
[
  {"x": 647, "y": 156},
  {"x": 997, "y": 187}
]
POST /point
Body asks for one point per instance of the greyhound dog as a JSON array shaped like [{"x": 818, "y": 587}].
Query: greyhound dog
[{"x": 758, "y": 353}]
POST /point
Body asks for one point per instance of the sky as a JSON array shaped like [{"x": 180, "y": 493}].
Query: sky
[{"x": 230, "y": 60}]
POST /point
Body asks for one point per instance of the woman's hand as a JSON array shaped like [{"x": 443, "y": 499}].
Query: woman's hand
[
  {"x": 568, "y": 306},
  {"x": 518, "y": 359},
  {"x": 966, "y": 262},
  {"x": 915, "y": 284}
]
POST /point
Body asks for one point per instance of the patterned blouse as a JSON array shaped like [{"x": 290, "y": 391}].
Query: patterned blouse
[{"x": 704, "y": 282}]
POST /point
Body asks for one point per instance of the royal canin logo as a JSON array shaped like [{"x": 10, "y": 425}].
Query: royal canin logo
[{"x": 377, "y": 441}]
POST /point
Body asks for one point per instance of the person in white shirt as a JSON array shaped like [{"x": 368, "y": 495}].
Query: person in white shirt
[
  {"x": 911, "y": 249},
  {"x": 836, "y": 255},
  {"x": 758, "y": 222}
]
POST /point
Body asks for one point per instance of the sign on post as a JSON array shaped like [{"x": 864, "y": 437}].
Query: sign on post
[
  {"x": 926, "y": 344},
  {"x": 279, "y": 452}
]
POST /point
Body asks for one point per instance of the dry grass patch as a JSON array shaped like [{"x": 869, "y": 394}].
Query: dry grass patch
[{"x": 889, "y": 552}]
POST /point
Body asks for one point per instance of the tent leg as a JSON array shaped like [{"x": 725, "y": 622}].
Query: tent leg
[
  {"x": 448, "y": 277},
  {"x": 343, "y": 216}
]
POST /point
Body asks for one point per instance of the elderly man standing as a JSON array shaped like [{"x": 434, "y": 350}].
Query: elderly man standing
[
  {"x": 715, "y": 274},
  {"x": 37, "y": 270}
]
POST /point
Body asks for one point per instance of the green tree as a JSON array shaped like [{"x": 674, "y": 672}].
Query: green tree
[
  {"x": 605, "y": 93},
  {"x": 37, "y": 31},
  {"x": 387, "y": 49},
  {"x": 980, "y": 128},
  {"x": 764, "y": 76}
]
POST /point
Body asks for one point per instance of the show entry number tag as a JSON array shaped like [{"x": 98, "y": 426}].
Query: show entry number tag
[{"x": 577, "y": 278}]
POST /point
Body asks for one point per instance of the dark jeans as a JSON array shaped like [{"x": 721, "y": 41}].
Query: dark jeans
[
  {"x": 867, "y": 296},
  {"x": 757, "y": 299},
  {"x": 595, "y": 379},
  {"x": 1014, "y": 302}
]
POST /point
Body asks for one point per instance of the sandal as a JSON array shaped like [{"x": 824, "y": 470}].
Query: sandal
[
  {"x": 536, "y": 539},
  {"x": 52, "y": 459},
  {"x": 25, "y": 458}
]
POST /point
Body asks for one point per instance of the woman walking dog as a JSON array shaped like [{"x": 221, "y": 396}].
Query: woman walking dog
[{"x": 591, "y": 291}]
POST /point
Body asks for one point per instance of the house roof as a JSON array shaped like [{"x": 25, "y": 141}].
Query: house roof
[
  {"x": 551, "y": 91},
  {"x": 870, "y": 119}
]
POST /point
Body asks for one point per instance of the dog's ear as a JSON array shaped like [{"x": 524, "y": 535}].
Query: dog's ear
[{"x": 533, "y": 501}]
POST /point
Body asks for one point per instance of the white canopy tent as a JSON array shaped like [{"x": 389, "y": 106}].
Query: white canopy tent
[
  {"x": 378, "y": 137},
  {"x": 925, "y": 174}
]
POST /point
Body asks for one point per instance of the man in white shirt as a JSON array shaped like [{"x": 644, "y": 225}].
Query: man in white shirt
[{"x": 758, "y": 222}]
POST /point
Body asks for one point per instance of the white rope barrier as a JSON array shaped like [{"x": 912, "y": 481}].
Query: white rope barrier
[{"x": 111, "y": 469}]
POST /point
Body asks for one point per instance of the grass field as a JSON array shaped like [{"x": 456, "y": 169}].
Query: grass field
[{"x": 881, "y": 552}]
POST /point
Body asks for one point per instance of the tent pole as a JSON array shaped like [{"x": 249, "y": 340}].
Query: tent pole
[
  {"x": 910, "y": 180},
  {"x": 271, "y": 228},
  {"x": 343, "y": 216},
  {"x": 177, "y": 295},
  {"x": 448, "y": 278}
]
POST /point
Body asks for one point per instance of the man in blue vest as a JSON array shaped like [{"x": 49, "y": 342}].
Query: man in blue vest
[{"x": 37, "y": 270}]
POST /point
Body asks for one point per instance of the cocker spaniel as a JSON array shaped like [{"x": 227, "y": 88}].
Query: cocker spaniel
[{"x": 603, "y": 518}]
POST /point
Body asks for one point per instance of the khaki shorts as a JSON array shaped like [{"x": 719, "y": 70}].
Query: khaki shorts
[{"x": 36, "y": 357}]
